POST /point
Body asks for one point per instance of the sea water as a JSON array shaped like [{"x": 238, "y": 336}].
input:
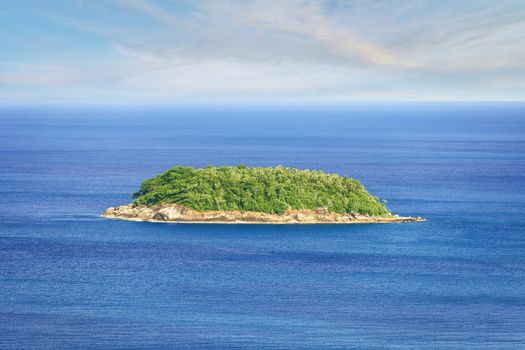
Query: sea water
[{"x": 72, "y": 280}]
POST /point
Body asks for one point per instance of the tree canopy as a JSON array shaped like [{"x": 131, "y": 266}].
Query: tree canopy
[{"x": 269, "y": 190}]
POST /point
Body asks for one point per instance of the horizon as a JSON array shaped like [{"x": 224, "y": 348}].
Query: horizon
[
  {"x": 146, "y": 52},
  {"x": 255, "y": 103}
]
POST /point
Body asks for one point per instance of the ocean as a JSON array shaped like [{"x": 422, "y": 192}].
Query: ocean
[{"x": 72, "y": 280}]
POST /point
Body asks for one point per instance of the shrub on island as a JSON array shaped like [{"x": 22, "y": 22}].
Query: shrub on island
[{"x": 267, "y": 190}]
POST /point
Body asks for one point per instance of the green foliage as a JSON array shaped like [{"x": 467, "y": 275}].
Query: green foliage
[{"x": 270, "y": 190}]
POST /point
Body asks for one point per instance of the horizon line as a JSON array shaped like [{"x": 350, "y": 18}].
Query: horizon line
[{"x": 241, "y": 103}]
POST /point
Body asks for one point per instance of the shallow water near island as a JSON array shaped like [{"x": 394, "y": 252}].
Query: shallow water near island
[{"x": 70, "y": 279}]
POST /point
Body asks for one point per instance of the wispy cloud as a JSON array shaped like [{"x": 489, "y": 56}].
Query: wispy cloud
[
  {"x": 302, "y": 49},
  {"x": 155, "y": 12},
  {"x": 312, "y": 22},
  {"x": 43, "y": 75}
]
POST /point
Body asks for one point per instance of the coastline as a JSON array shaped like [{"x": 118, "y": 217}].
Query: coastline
[{"x": 174, "y": 213}]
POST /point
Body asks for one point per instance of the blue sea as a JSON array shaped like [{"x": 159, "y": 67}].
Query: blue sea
[{"x": 72, "y": 280}]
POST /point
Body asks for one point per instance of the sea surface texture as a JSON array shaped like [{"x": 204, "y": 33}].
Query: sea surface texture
[{"x": 72, "y": 280}]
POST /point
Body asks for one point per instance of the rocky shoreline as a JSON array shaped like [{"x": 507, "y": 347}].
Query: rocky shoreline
[{"x": 174, "y": 213}]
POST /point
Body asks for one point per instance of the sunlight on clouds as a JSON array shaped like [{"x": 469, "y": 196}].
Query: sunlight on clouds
[{"x": 268, "y": 50}]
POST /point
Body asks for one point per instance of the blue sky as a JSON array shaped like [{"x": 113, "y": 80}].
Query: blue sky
[{"x": 225, "y": 50}]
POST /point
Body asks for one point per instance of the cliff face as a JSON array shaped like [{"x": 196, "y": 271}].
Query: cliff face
[{"x": 176, "y": 213}]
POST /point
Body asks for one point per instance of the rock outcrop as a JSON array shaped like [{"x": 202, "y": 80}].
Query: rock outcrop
[{"x": 175, "y": 213}]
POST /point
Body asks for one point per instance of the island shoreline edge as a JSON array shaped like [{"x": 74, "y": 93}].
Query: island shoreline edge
[{"x": 177, "y": 214}]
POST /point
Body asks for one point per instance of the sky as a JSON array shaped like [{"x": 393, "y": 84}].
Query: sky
[{"x": 156, "y": 51}]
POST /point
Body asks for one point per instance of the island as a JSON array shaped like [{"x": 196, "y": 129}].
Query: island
[{"x": 254, "y": 195}]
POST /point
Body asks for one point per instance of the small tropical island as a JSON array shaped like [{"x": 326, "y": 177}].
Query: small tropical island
[{"x": 254, "y": 195}]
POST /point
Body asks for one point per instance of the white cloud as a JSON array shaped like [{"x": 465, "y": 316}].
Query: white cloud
[
  {"x": 155, "y": 12},
  {"x": 289, "y": 49}
]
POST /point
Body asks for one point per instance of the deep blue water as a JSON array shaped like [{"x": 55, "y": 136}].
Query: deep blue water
[{"x": 71, "y": 280}]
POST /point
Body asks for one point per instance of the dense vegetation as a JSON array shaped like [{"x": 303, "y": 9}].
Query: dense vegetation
[{"x": 270, "y": 190}]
